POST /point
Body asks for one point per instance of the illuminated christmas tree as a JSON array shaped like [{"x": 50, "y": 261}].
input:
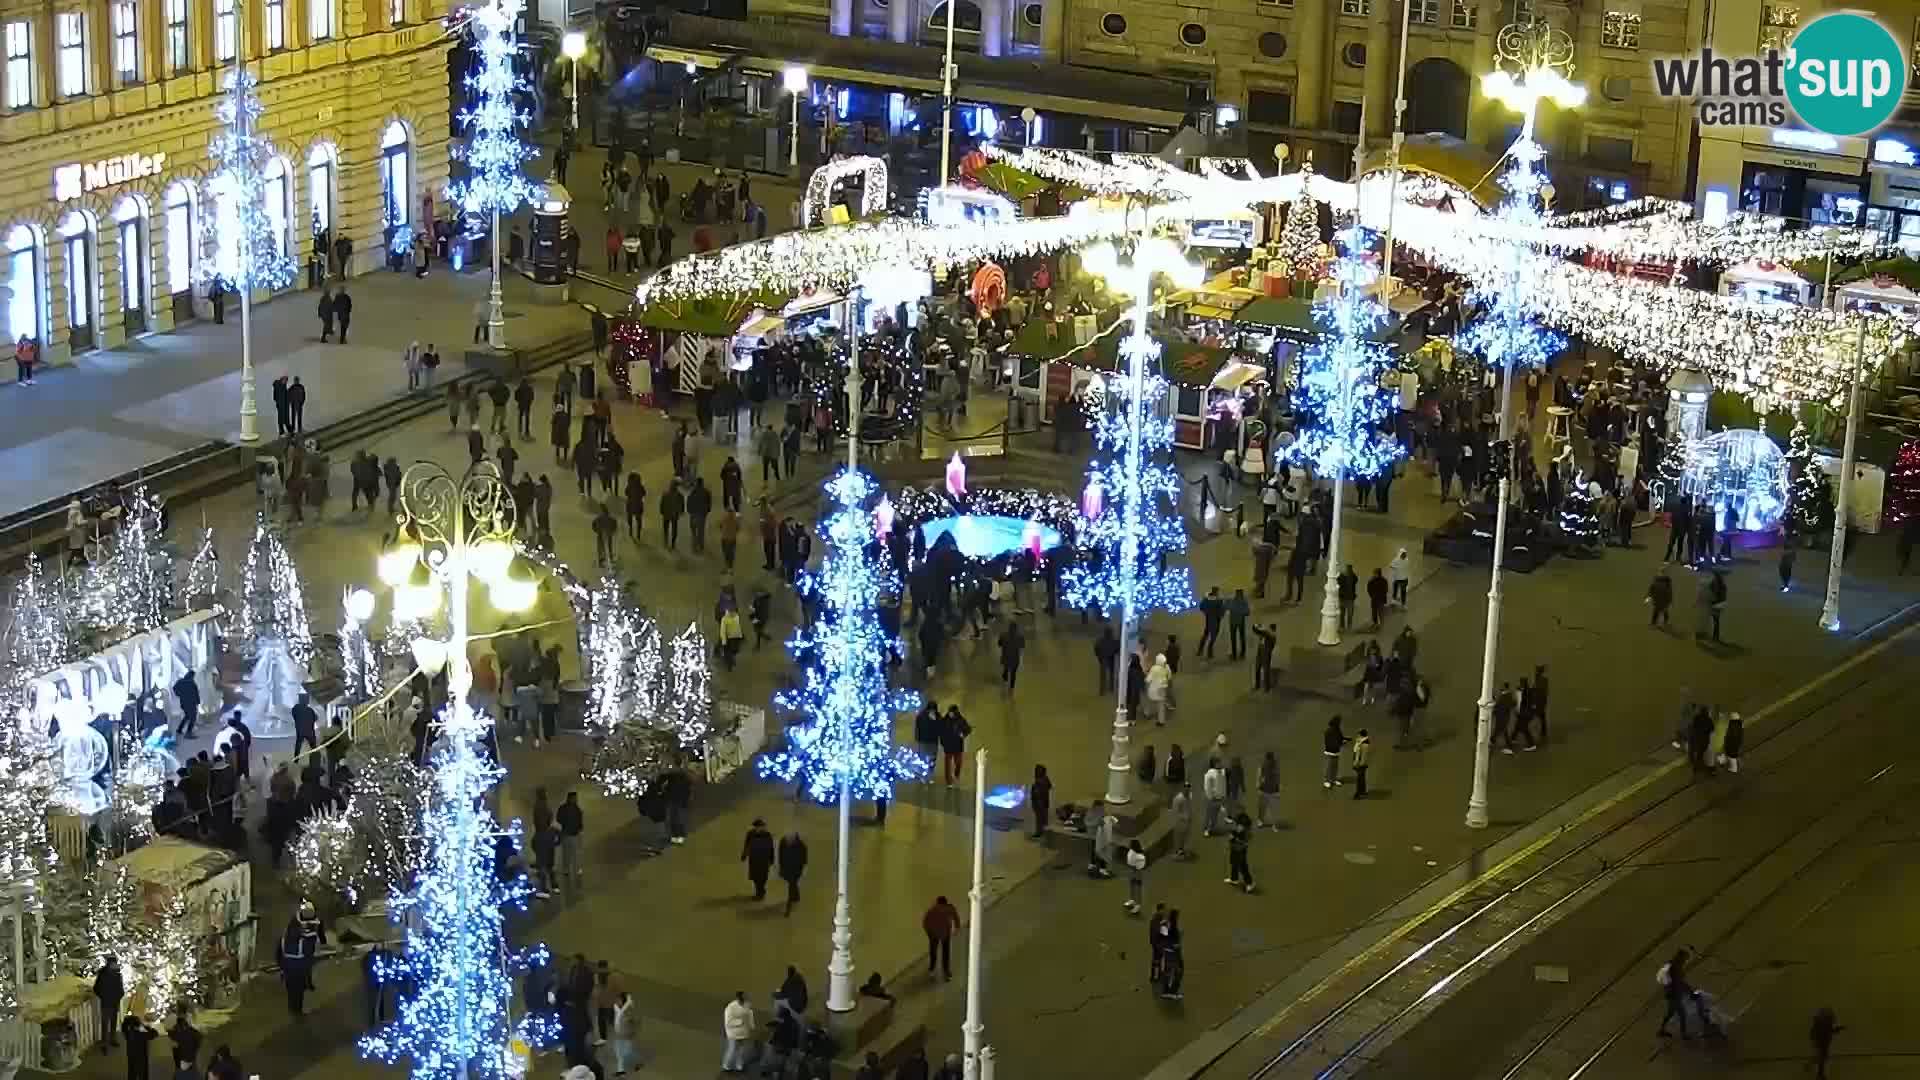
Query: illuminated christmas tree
[
  {"x": 1579, "y": 516},
  {"x": 688, "y": 708},
  {"x": 1806, "y": 483},
  {"x": 493, "y": 150},
  {"x": 1903, "y": 485},
  {"x": 1131, "y": 499},
  {"x": 1300, "y": 235},
  {"x": 1341, "y": 408},
  {"x": 203, "y": 574},
  {"x": 247, "y": 250},
  {"x": 271, "y": 603},
  {"x": 453, "y": 1018},
  {"x": 612, "y": 628},
  {"x": 847, "y": 735}
]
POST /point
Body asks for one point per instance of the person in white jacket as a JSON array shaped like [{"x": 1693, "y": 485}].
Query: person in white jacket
[
  {"x": 1213, "y": 788},
  {"x": 738, "y": 1023},
  {"x": 1397, "y": 571},
  {"x": 625, "y": 1019},
  {"x": 1159, "y": 687}
]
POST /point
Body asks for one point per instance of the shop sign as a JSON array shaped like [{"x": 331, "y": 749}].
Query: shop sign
[{"x": 74, "y": 180}]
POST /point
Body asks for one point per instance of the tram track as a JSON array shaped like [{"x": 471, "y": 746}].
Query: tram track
[{"x": 1412, "y": 985}]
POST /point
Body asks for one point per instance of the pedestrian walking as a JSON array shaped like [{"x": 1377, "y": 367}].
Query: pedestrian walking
[
  {"x": 699, "y": 505},
  {"x": 1213, "y": 789},
  {"x": 1826, "y": 1025},
  {"x": 954, "y": 730},
  {"x": 757, "y": 852},
  {"x": 1269, "y": 790},
  {"x": 737, "y": 1024},
  {"x": 572, "y": 822},
  {"x": 1213, "y": 612},
  {"x": 939, "y": 922},
  {"x": 343, "y": 312},
  {"x": 1173, "y": 963},
  {"x": 1332, "y": 740},
  {"x": 636, "y": 506},
  {"x": 1672, "y": 978},
  {"x": 1239, "y": 838},
  {"x": 1159, "y": 680},
  {"x": 1040, "y": 798},
  {"x": 139, "y": 1036},
  {"x": 296, "y": 407},
  {"x": 109, "y": 989},
  {"x": 1347, "y": 587},
  {"x": 1136, "y": 875},
  {"x": 1106, "y": 652},
  {"x": 1659, "y": 597},
  {"x": 326, "y": 313},
  {"x": 792, "y": 857},
  {"x": 605, "y": 530},
  {"x": 624, "y": 1024},
  {"x": 1013, "y": 641},
  {"x": 1700, "y": 740},
  {"x": 1732, "y": 740},
  {"x": 1264, "y": 638},
  {"x": 1154, "y": 924},
  {"x": 672, "y": 505},
  {"x": 1362, "y": 757}
]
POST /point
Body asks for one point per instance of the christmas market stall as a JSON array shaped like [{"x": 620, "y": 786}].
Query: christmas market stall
[{"x": 1766, "y": 283}]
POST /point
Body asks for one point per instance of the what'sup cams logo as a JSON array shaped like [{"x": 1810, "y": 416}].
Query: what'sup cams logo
[{"x": 1843, "y": 74}]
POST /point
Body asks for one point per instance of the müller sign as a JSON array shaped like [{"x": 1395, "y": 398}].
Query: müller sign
[{"x": 72, "y": 181}]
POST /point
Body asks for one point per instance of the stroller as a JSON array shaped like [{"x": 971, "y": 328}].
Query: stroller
[{"x": 1714, "y": 1020}]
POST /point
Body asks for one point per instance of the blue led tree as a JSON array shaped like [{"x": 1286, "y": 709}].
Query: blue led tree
[
  {"x": 844, "y": 749},
  {"x": 494, "y": 151},
  {"x": 453, "y": 1021},
  {"x": 1342, "y": 408},
  {"x": 246, "y": 248}
]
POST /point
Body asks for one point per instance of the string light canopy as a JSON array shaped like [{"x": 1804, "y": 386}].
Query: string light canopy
[{"x": 872, "y": 172}]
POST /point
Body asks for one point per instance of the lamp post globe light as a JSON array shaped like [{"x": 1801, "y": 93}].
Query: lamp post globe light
[
  {"x": 1533, "y": 60},
  {"x": 573, "y": 45},
  {"x": 794, "y": 79}
]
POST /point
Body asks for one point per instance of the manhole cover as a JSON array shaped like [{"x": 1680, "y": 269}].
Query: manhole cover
[{"x": 1359, "y": 858}]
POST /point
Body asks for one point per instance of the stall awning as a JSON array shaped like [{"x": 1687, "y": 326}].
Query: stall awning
[
  {"x": 1007, "y": 81},
  {"x": 717, "y": 316},
  {"x": 762, "y": 326},
  {"x": 1449, "y": 158},
  {"x": 1236, "y": 375},
  {"x": 1293, "y": 317},
  {"x": 1185, "y": 362}
]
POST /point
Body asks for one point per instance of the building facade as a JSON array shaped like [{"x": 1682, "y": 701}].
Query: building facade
[
  {"x": 108, "y": 106},
  {"x": 1312, "y": 73},
  {"x": 1790, "y": 172}
]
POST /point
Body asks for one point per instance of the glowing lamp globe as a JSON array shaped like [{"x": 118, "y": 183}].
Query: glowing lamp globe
[
  {"x": 513, "y": 594},
  {"x": 489, "y": 559},
  {"x": 397, "y": 563},
  {"x": 411, "y": 602},
  {"x": 360, "y": 605},
  {"x": 573, "y": 45},
  {"x": 794, "y": 79},
  {"x": 430, "y": 655}
]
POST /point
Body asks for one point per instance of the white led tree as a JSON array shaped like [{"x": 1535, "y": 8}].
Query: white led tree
[
  {"x": 494, "y": 151},
  {"x": 688, "y": 710},
  {"x": 247, "y": 250}
]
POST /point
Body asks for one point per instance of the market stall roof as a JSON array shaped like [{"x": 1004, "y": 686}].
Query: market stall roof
[
  {"x": 715, "y": 316},
  {"x": 1450, "y": 158},
  {"x": 1236, "y": 375},
  {"x": 1185, "y": 362},
  {"x": 1293, "y": 317}
]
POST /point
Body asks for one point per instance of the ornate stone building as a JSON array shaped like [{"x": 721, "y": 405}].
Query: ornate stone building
[{"x": 108, "y": 108}]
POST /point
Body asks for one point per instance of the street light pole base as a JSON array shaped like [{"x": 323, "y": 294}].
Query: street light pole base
[{"x": 1476, "y": 815}]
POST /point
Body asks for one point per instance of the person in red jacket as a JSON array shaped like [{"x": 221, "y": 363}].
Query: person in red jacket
[{"x": 940, "y": 921}]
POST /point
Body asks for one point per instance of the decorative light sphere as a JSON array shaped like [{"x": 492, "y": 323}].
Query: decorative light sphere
[
  {"x": 573, "y": 45},
  {"x": 794, "y": 79},
  {"x": 430, "y": 654},
  {"x": 489, "y": 560},
  {"x": 513, "y": 594},
  {"x": 397, "y": 563},
  {"x": 360, "y": 605}
]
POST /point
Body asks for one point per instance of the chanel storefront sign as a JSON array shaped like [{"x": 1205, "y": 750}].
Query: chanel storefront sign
[{"x": 72, "y": 181}]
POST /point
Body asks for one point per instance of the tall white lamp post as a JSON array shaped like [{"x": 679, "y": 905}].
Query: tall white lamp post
[
  {"x": 795, "y": 81},
  {"x": 1541, "y": 55},
  {"x": 454, "y": 530},
  {"x": 978, "y": 1062},
  {"x": 1134, "y": 277},
  {"x": 573, "y": 45},
  {"x": 1399, "y": 138},
  {"x": 947, "y": 71},
  {"x": 1837, "y": 552}
]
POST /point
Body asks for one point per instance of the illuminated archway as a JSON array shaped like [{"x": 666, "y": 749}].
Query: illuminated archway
[{"x": 873, "y": 189}]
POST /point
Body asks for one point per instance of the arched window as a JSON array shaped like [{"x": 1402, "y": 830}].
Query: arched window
[
  {"x": 26, "y": 286},
  {"x": 130, "y": 219},
  {"x": 396, "y": 176},
  {"x": 966, "y": 18},
  {"x": 278, "y": 200},
  {"x": 182, "y": 244},
  {"x": 320, "y": 174},
  {"x": 76, "y": 239}
]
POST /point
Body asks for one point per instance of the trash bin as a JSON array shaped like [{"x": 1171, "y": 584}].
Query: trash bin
[{"x": 573, "y": 705}]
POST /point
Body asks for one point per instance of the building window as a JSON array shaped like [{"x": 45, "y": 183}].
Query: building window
[
  {"x": 24, "y": 286},
  {"x": 19, "y": 65},
  {"x": 1465, "y": 15},
  {"x": 1356, "y": 7},
  {"x": 1523, "y": 11},
  {"x": 397, "y": 12},
  {"x": 1276, "y": 3},
  {"x": 1033, "y": 14},
  {"x": 1193, "y": 35},
  {"x": 129, "y": 214},
  {"x": 1113, "y": 24},
  {"x": 1346, "y": 117},
  {"x": 179, "y": 44},
  {"x": 1620, "y": 29},
  {"x": 396, "y": 175},
  {"x": 70, "y": 41},
  {"x": 966, "y": 18},
  {"x": 1426, "y": 12},
  {"x": 126, "y": 42},
  {"x": 180, "y": 239},
  {"x": 1273, "y": 45},
  {"x": 1609, "y": 150},
  {"x": 1778, "y": 24},
  {"x": 226, "y": 31},
  {"x": 274, "y": 24},
  {"x": 1270, "y": 107},
  {"x": 320, "y": 188},
  {"x": 1616, "y": 88},
  {"x": 320, "y": 19},
  {"x": 1354, "y": 54},
  {"x": 76, "y": 234},
  {"x": 276, "y": 203}
]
